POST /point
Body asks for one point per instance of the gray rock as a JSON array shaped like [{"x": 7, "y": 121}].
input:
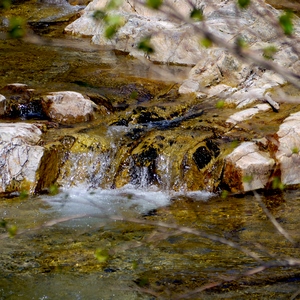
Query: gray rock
[
  {"x": 247, "y": 168},
  {"x": 175, "y": 42},
  {"x": 68, "y": 107},
  {"x": 20, "y": 157},
  {"x": 288, "y": 154},
  {"x": 247, "y": 114}
]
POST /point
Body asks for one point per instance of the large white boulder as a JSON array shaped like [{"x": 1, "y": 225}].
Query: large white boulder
[
  {"x": 288, "y": 154},
  {"x": 247, "y": 168},
  {"x": 20, "y": 157}
]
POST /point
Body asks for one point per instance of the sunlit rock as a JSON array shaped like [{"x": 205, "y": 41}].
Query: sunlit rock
[
  {"x": 16, "y": 87},
  {"x": 247, "y": 168},
  {"x": 288, "y": 154},
  {"x": 175, "y": 42},
  {"x": 246, "y": 114},
  {"x": 68, "y": 107},
  {"x": 20, "y": 156}
]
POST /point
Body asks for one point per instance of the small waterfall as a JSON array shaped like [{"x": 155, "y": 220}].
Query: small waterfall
[
  {"x": 106, "y": 172},
  {"x": 90, "y": 160},
  {"x": 114, "y": 156}
]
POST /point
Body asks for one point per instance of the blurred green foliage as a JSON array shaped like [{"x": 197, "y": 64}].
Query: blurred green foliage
[
  {"x": 5, "y": 4},
  {"x": 285, "y": 20},
  {"x": 269, "y": 52},
  {"x": 277, "y": 184},
  {"x": 243, "y": 3},
  {"x": 154, "y": 4},
  {"x": 101, "y": 255},
  {"x": 17, "y": 27},
  {"x": 196, "y": 14},
  {"x": 145, "y": 45}
]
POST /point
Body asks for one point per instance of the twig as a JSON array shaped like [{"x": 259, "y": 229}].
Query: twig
[
  {"x": 196, "y": 232},
  {"x": 278, "y": 227},
  {"x": 251, "y": 272},
  {"x": 295, "y": 295}
]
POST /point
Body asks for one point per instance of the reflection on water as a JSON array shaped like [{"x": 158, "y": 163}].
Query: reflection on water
[{"x": 58, "y": 262}]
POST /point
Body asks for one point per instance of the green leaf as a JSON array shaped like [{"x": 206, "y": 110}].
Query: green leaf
[
  {"x": 134, "y": 96},
  {"x": 277, "y": 184},
  {"x": 154, "y": 4},
  {"x": 101, "y": 255},
  {"x": 110, "y": 31},
  {"x": 5, "y": 4},
  {"x": 99, "y": 15},
  {"x": 24, "y": 194},
  {"x": 145, "y": 45},
  {"x": 248, "y": 178},
  {"x": 53, "y": 189},
  {"x": 295, "y": 150},
  {"x": 286, "y": 23},
  {"x": 243, "y": 3},
  {"x": 206, "y": 42},
  {"x": 224, "y": 194},
  {"x": 113, "y": 4},
  {"x": 16, "y": 27},
  {"x": 197, "y": 14},
  {"x": 220, "y": 104},
  {"x": 114, "y": 22},
  {"x": 12, "y": 230},
  {"x": 240, "y": 42},
  {"x": 269, "y": 52}
]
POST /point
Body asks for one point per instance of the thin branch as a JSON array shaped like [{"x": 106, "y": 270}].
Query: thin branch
[
  {"x": 243, "y": 54},
  {"x": 251, "y": 272},
  {"x": 196, "y": 232},
  {"x": 278, "y": 227},
  {"x": 46, "y": 224}
]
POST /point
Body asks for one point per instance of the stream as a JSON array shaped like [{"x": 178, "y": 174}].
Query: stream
[{"x": 73, "y": 244}]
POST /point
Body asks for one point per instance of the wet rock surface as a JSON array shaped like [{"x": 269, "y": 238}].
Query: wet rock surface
[
  {"x": 151, "y": 132},
  {"x": 20, "y": 157},
  {"x": 68, "y": 107},
  {"x": 187, "y": 145},
  {"x": 288, "y": 149},
  {"x": 216, "y": 72}
]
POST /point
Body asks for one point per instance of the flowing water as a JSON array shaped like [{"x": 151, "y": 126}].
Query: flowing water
[
  {"x": 58, "y": 255},
  {"x": 71, "y": 246}
]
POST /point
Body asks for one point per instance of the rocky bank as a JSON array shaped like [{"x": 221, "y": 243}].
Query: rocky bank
[
  {"x": 218, "y": 129},
  {"x": 184, "y": 145}
]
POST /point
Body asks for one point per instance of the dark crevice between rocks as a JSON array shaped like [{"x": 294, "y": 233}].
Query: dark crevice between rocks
[{"x": 204, "y": 154}]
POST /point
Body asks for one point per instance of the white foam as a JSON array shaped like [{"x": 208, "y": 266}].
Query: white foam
[{"x": 78, "y": 200}]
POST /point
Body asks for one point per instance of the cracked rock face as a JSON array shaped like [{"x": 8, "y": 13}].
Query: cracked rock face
[
  {"x": 247, "y": 168},
  {"x": 288, "y": 151},
  {"x": 216, "y": 72},
  {"x": 20, "y": 156}
]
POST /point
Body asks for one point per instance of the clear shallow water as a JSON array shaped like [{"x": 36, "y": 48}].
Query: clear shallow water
[{"x": 58, "y": 261}]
